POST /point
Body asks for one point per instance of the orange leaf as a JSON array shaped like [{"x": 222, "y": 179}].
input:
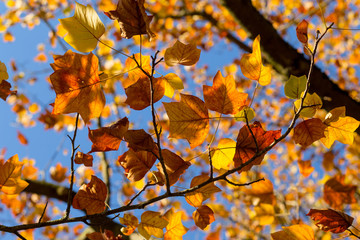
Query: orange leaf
[
  {"x": 139, "y": 95},
  {"x": 295, "y": 232},
  {"x": 263, "y": 190},
  {"x": 189, "y": 119},
  {"x": 180, "y": 53},
  {"x": 139, "y": 140},
  {"x": 10, "y": 173},
  {"x": 302, "y": 32},
  {"x": 86, "y": 159},
  {"x": 336, "y": 193},
  {"x": 77, "y": 85},
  {"x": 175, "y": 166},
  {"x": 152, "y": 223},
  {"x": 251, "y": 65},
  {"x": 58, "y": 173},
  {"x": 132, "y": 18},
  {"x": 22, "y": 139},
  {"x": 203, "y": 216},
  {"x": 3, "y": 72},
  {"x": 131, "y": 223},
  {"x": 5, "y": 90},
  {"x": 223, "y": 97},
  {"x": 108, "y": 138},
  {"x": 197, "y": 197},
  {"x": 175, "y": 229},
  {"x": 309, "y": 131},
  {"x": 305, "y": 168},
  {"x": 246, "y": 146},
  {"x": 91, "y": 196},
  {"x": 134, "y": 72},
  {"x": 331, "y": 220},
  {"x": 136, "y": 164}
]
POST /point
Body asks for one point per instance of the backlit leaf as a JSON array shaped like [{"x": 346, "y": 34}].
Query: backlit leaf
[
  {"x": 77, "y": 85},
  {"x": 172, "y": 82},
  {"x": 223, "y": 97},
  {"x": 302, "y": 32},
  {"x": 175, "y": 229},
  {"x": 91, "y": 196},
  {"x": 309, "y": 131},
  {"x": 305, "y": 167},
  {"x": 139, "y": 140},
  {"x": 180, "y": 53},
  {"x": 58, "y": 173},
  {"x": 223, "y": 154},
  {"x": 251, "y": 65},
  {"x": 3, "y": 72},
  {"x": 337, "y": 193},
  {"x": 152, "y": 224},
  {"x": 203, "y": 216},
  {"x": 108, "y": 138},
  {"x": 265, "y": 213},
  {"x": 134, "y": 72},
  {"x": 131, "y": 223},
  {"x": 311, "y": 103},
  {"x": 189, "y": 119},
  {"x": 295, "y": 86},
  {"x": 84, "y": 28},
  {"x": 246, "y": 145},
  {"x": 334, "y": 115},
  {"x": 83, "y": 158},
  {"x": 245, "y": 113},
  {"x": 295, "y": 232},
  {"x": 10, "y": 176},
  {"x": 331, "y": 220},
  {"x": 263, "y": 191},
  {"x": 5, "y": 90}
]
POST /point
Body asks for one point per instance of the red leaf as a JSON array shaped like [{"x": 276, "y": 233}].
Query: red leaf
[
  {"x": 331, "y": 220},
  {"x": 336, "y": 193}
]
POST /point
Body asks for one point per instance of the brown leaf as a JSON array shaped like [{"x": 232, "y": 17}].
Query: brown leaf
[
  {"x": 132, "y": 18},
  {"x": 305, "y": 167},
  {"x": 58, "y": 173},
  {"x": 263, "y": 190},
  {"x": 91, "y": 196},
  {"x": 22, "y": 139},
  {"x": 152, "y": 223},
  {"x": 139, "y": 95},
  {"x": 336, "y": 193},
  {"x": 5, "y": 90},
  {"x": 83, "y": 158},
  {"x": 175, "y": 166},
  {"x": 302, "y": 32},
  {"x": 246, "y": 146},
  {"x": 136, "y": 164},
  {"x": 180, "y": 53},
  {"x": 309, "y": 131},
  {"x": 203, "y": 216},
  {"x": 108, "y": 138},
  {"x": 331, "y": 220},
  {"x": 139, "y": 140}
]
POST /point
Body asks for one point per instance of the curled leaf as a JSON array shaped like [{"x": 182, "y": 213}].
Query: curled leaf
[
  {"x": 331, "y": 220},
  {"x": 83, "y": 158}
]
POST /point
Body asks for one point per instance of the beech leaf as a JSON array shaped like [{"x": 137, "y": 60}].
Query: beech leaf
[
  {"x": 10, "y": 176},
  {"x": 189, "y": 119},
  {"x": 180, "y": 53},
  {"x": 77, "y": 85},
  {"x": 331, "y": 220},
  {"x": 152, "y": 224},
  {"x": 84, "y": 28},
  {"x": 91, "y": 196}
]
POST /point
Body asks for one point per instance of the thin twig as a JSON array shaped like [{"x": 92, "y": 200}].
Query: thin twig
[
  {"x": 19, "y": 235},
  {"x": 250, "y": 130},
  {"x": 210, "y": 162},
  {"x": 138, "y": 194},
  {"x": 243, "y": 184},
  {"x": 43, "y": 213}
]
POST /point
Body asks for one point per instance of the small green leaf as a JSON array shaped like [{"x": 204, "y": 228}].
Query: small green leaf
[
  {"x": 250, "y": 114},
  {"x": 295, "y": 86}
]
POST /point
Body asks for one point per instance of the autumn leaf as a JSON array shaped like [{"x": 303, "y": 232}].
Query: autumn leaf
[
  {"x": 5, "y": 90},
  {"x": 175, "y": 229},
  {"x": 311, "y": 103},
  {"x": 295, "y": 232},
  {"x": 139, "y": 140},
  {"x": 302, "y": 32},
  {"x": 295, "y": 86},
  {"x": 84, "y": 28},
  {"x": 136, "y": 164},
  {"x": 108, "y": 138},
  {"x": 223, "y": 97},
  {"x": 10, "y": 176},
  {"x": 246, "y": 114},
  {"x": 251, "y": 65},
  {"x": 305, "y": 167},
  {"x": 265, "y": 213},
  {"x": 197, "y": 197},
  {"x": 334, "y": 115},
  {"x": 22, "y": 139},
  {"x": 223, "y": 154},
  {"x": 58, "y": 173},
  {"x": 331, "y": 220},
  {"x": 83, "y": 158},
  {"x": 131, "y": 223},
  {"x": 246, "y": 146},
  {"x": 180, "y": 53},
  {"x": 3, "y": 72},
  {"x": 203, "y": 216},
  {"x": 139, "y": 94},
  {"x": 134, "y": 72},
  {"x": 132, "y": 18},
  {"x": 263, "y": 191},
  {"x": 172, "y": 82},
  {"x": 91, "y": 196},
  {"x": 77, "y": 85},
  {"x": 337, "y": 193},
  {"x": 175, "y": 166},
  {"x": 189, "y": 119},
  {"x": 106, "y": 235},
  {"x": 309, "y": 131},
  {"x": 152, "y": 224}
]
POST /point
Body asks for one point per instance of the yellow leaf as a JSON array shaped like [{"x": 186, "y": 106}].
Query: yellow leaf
[
  {"x": 172, "y": 82},
  {"x": 189, "y": 119},
  {"x": 295, "y": 86},
  {"x": 3, "y": 72},
  {"x": 224, "y": 153},
  {"x": 265, "y": 213},
  {"x": 84, "y": 28},
  {"x": 175, "y": 229},
  {"x": 134, "y": 72},
  {"x": 342, "y": 130},
  {"x": 295, "y": 232},
  {"x": 250, "y": 114},
  {"x": 152, "y": 224},
  {"x": 131, "y": 223},
  {"x": 311, "y": 103},
  {"x": 10, "y": 172},
  {"x": 334, "y": 115},
  {"x": 184, "y": 54},
  {"x": 251, "y": 65}
]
